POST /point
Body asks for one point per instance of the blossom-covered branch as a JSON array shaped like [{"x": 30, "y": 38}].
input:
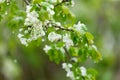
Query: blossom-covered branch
[{"x": 68, "y": 41}]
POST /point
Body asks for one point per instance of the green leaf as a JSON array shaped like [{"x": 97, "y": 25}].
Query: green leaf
[
  {"x": 60, "y": 44},
  {"x": 95, "y": 54},
  {"x": 56, "y": 55},
  {"x": 73, "y": 51},
  {"x": 63, "y": 15},
  {"x": 89, "y": 37},
  {"x": 92, "y": 73}
]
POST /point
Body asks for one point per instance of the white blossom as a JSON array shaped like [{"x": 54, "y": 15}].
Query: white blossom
[
  {"x": 50, "y": 9},
  {"x": 47, "y": 48},
  {"x": 70, "y": 65},
  {"x": 54, "y": 36},
  {"x": 22, "y": 40},
  {"x": 79, "y": 27},
  {"x": 37, "y": 31},
  {"x": 31, "y": 17},
  {"x": 21, "y": 29},
  {"x": 67, "y": 67},
  {"x": 64, "y": 65},
  {"x": 26, "y": 31},
  {"x": 68, "y": 41},
  {"x": 74, "y": 59},
  {"x": 58, "y": 23},
  {"x": 70, "y": 75},
  {"x": 46, "y": 22},
  {"x": 20, "y": 35},
  {"x": 60, "y": 48},
  {"x": 28, "y": 8},
  {"x": 83, "y": 71}
]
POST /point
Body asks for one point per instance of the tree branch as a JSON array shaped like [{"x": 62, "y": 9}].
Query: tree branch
[
  {"x": 27, "y": 2},
  {"x": 66, "y": 29},
  {"x": 61, "y": 3},
  {"x": 56, "y": 26},
  {"x": 67, "y": 53}
]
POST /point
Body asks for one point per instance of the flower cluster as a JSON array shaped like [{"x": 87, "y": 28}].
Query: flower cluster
[
  {"x": 49, "y": 8},
  {"x": 80, "y": 27},
  {"x": 31, "y": 17},
  {"x": 70, "y": 73},
  {"x": 83, "y": 71},
  {"x": 47, "y": 48},
  {"x": 67, "y": 68},
  {"x": 54, "y": 36},
  {"x": 68, "y": 41},
  {"x": 35, "y": 29}
]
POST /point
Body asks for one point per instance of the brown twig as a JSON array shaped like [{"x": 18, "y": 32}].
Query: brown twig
[
  {"x": 67, "y": 53},
  {"x": 66, "y": 29},
  {"x": 61, "y": 3},
  {"x": 27, "y": 2}
]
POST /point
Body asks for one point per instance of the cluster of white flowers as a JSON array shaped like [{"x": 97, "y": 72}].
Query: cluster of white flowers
[
  {"x": 47, "y": 48},
  {"x": 2, "y": 1},
  {"x": 68, "y": 41},
  {"x": 36, "y": 29},
  {"x": 54, "y": 36},
  {"x": 31, "y": 17},
  {"x": 83, "y": 71},
  {"x": 74, "y": 59},
  {"x": 49, "y": 8},
  {"x": 22, "y": 40},
  {"x": 79, "y": 27},
  {"x": 70, "y": 74},
  {"x": 67, "y": 67}
]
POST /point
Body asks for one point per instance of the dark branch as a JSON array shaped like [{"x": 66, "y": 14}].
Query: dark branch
[
  {"x": 67, "y": 53},
  {"x": 27, "y": 2},
  {"x": 66, "y": 29},
  {"x": 56, "y": 26},
  {"x": 61, "y": 3}
]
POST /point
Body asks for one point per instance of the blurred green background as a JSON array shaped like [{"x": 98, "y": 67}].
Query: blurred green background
[{"x": 101, "y": 17}]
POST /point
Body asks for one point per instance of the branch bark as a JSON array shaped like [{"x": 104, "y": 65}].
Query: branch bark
[
  {"x": 61, "y": 3},
  {"x": 27, "y": 2}
]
